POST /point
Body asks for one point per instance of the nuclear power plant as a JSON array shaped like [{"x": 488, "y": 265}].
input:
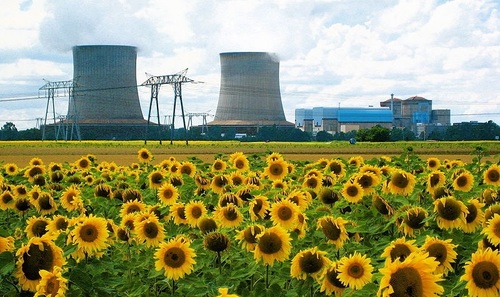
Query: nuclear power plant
[
  {"x": 106, "y": 99},
  {"x": 249, "y": 95}
]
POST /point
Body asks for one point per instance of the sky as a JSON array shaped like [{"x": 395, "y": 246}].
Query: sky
[{"x": 347, "y": 53}]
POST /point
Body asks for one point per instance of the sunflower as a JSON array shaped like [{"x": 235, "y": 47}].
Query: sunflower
[
  {"x": 253, "y": 180},
  {"x": 168, "y": 194},
  {"x": 219, "y": 182},
  {"x": 490, "y": 212},
  {"x": 240, "y": 162},
  {"x": 450, "y": 212},
  {"x": 489, "y": 196},
  {"x": 284, "y": 213},
  {"x": 276, "y": 169},
  {"x": 475, "y": 217},
  {"x": 193, "y": 211},
  {"x": 71, "y": 198},
  {"x": 11, "y": 169},
  {"x": 433, "y": 163},
  {"x": 7, "y": 200},
  {"x": 328, "y": 195},
  {"x": 58, "y": 224},
  {"x": 482, "y": 273},
  {"x": 258, "y": 207},
  {"x": 40, "y": 253},
  {"x": 228, "y": 216},
  {"x": 6, "y": 244},
  {"x": 245, "y": 194},
  {"x": 224, "y": 292},
  {"x": 333, "y": 229},
  {"x": 273, "y": 244},
  {"x": 36, "y": 227},
  {"x": 144, "y": 155},
  {"x": 227, "y": 198},
  {"x": 128, "y": 221},
  {"x": 399, "y": 250},
  {"x": 330, "y": 282},
  {"x": 156, "y": 178},
  {"x": 309, "y": 262},
  {"x": 202, "y": 182},
  {"x": 35, "y": 161},
  {"x": 103, "y": 190},
  {"x": 129, "y": 195},
  {"x": 236, "y": 178},
  {"x": 176, "y": 258},
  {"x": 414, "y": 276},
  {"x": 435, "y": 180},
  {"x": 336, "y": 167},
  {"x": 492, "y": 230},
  {"x": 33, "y": 171},
  {"x": 207, "y": 225},
  {"x": 216, "y": 242},
  {"x": 355, "y": 271},
  {"x": 90, "y": 234},
  {"x": 187, "y": 168},
  {"x": 492, "y": 175},
  {"x": 22, "y": 205},
  {"x": 356, "y": 161},
  {"x": 131, "y": 207},
  {"x": 83, "y": 164},
  {"x": 248, "y": 236},
  {"x": 443, "y": 251},
  {"x": 274, "y": 156},
  {"x": 312, "y": 182},
  {"x": 464, "y": 181},
  {"x": 352, "y": 192},
  {"x": 367, "y": 180},
  {"x": 219, "y": 165},
  {"x": 52, "y": 283},
  {"x": 178, "y": 213},
  {"x": 149, "y": 231},
  {"x": 401, "y": 182},
  {"x": 382, "y": 205},
  {"x": 123, "y": 234},
  {"x": 413, "y": 219}
]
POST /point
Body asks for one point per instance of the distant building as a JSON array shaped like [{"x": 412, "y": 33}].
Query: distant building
[
  {"x": 345, "y": 119},
  {"x": 415, "y": 114}
]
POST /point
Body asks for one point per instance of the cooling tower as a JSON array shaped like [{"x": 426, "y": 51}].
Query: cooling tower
[
  {"x": 106, "y": 86},
  {"x": 249, "y": 91}
]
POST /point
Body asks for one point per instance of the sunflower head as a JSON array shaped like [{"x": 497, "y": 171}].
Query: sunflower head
[
  {"x": 176, "y": 258},
  {"x": 382, "y": 206},
  {"x": 308, "y": 262},
  {"x": 273, "y": 245},
  {"x": 482, "y": 273},
  {"x": 216, "y": 242},
  {"x": 355, "y": 271},
  {"x": 207, "y": 225},
  {"x": 144, "y": 155},
  {"x": 399, "y": 249},
  {"x": 492, "y": 175}
]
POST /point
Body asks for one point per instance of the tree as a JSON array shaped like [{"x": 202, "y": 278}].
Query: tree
[
  {"x": 8, "y": 131},
  {"x": 324, "y": 136}
]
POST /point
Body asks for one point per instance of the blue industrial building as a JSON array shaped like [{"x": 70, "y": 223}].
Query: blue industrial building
[
  {"x": 344, "y": 119},
  {"x": 415, "y": 114}
]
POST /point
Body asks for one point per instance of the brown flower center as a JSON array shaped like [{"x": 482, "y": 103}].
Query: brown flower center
[
  {"x": 174, "y": 257},
  {"x": 399, "y": 180},
  {"x": 400, "y": 251},
  {"x": 331, "y": 275},
  {"x": 276, "y": 169},
  {"x": 485, "y": 275},
  {"x": 331, "y": 230},
  {"x": 355, "y": 270},
  {"x": 310, "y": 262},
  {"x": 89, "y": 233},
  {"x": 450, "y": 210},
  {"x": 438, "y": 251},
  {"x": 285, "y": 213},
  {"x": 151, "y": 230},
  {"x": 407, "y": 282},
  {"x": 493, "y": 175},
  {"x": 270, "y": 243},
  {"x": 37, "y": 259}
]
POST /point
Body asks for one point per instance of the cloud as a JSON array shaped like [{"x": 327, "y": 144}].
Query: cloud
[{"x": 331, "y": 51}]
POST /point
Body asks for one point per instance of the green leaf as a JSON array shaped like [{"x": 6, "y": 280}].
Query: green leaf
[{"x": 7, "y": 263}]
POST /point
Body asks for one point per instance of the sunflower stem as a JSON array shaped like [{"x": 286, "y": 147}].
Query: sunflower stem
[
  {"x": 267, "y": 276},
  {"x": 219, "y": 262},
  {"x": 173, "y": 287}
]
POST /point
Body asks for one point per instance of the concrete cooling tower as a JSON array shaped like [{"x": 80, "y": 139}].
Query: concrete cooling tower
[
  {"x": 249, "y": 91},
  {"x": 105, "y": 93}
]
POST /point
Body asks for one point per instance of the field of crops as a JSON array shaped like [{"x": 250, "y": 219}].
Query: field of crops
[{"x": 249, "y": 219}]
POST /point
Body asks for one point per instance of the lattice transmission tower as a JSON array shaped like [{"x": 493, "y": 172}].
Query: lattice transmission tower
[{"x": 176, "y": 80}]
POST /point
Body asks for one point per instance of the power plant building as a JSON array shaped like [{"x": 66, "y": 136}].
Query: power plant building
[
  {"x": 345, "y": 119},
  {"x": 249, "y": 94},
  {"x": 415, "y": 114},
  {"x": 106, "y": 99}
]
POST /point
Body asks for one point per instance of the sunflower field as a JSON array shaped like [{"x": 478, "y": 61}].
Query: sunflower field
[{"x": 251, "y": 225}]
